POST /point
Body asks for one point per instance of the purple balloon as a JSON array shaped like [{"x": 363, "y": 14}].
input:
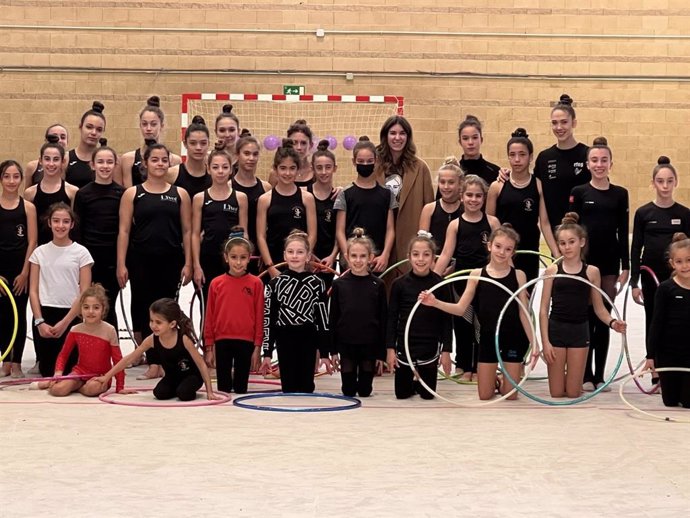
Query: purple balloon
[
  {"x": 332, "y": 142},
  {"x": 271, "y": 142},
  {"x": 349, "y": 142}
]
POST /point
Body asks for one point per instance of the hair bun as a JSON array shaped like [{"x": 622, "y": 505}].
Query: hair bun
[
  {"x": 679, "y": 236},
  {"x": 236, "y": 231},
  {"x": 154, "y": 101},
  {"x": 98, "y": 107},
  {"x": 471, "y": 118},
  {"x": 245, "y": 133},
  {"x": 451, "y": 160},
  {"x": 663, "y": 160},
  {"x": 301, "y": 122},
  {"x": 323, "y": 145},
  {"x": 148, "y": 142},
  {"x": 565, "y": 99},
  {"x": 219, "y": 145},
  {"x": 364, "y": 138},
  {"x": 287, "y": 143},
  {"x": 52, "y": 138},
  {"x": 227, "y": 108},
  {"x": 358, "y": 232},
  {"x": 570, "y": 218},
  {"x": 600, "y": 141},
  {"x": 519, "y": 133},
  {"x": 198, "y": 119},
  {"x": 103, "y": 141},
  {"x": 424, "y": 233}
]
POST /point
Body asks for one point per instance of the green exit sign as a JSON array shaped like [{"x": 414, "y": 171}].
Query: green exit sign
[{"x": 293, "y": 90}]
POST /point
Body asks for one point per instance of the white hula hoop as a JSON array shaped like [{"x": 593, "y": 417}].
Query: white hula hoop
[
  {"x": 644, "y": 412},
  {"x": 408, "y": 355}
]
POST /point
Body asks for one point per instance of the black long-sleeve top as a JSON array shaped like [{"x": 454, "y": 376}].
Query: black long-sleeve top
[
  {"x": 604, "y": 214},
  {"x": 668, "y": 332},
  {"x": 295, "y": 299},
  {"x": 430, "y": 326},
  {"x": 653, "y": 229},
  {"x": 559, "y": 171},
  {"x": 98, "y": 208},
  {"x": 358, "y": 312}
]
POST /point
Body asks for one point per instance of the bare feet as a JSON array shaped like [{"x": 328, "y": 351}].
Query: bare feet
[{"x": 153, "y": 372}]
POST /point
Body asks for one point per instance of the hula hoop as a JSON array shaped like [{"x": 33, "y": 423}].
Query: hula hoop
[
  {"x": 586, "y": 396},
  {"x": 392, "y": 267},
  {"x": 643, "y": 412},
  {"x": 459, "y": 273},
  {"x": 198, "y": 293},
  {"x": 541, "y": 256},
  {"x": 409, "y": 355},
  {"x": 128, "y": 326},
  {"x": 263, "y": 382},
  {"x": 105, "y": 398},
  {"x": 654, "y": 388},
  {"x": 241, "y": 402},
  {"x": 26, "y": 381},
  {"x": 651, "y": 273},
  {"x": 13, "y": 303}
]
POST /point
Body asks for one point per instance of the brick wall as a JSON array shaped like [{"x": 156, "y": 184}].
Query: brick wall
[{"x": 507, "y": 81}]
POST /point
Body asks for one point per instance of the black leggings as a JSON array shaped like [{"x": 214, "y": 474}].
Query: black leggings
[
  {"x": 675, "y": 386},
  {"x": 213, "y": 265},
  {"x": 406, "y": 386},
  {"x": 7, "y": 321},
  {"x": 357, "y": 367},
  {"x": 48, "y": 349},
  {"x": 152, "y": 277},
  {"x": 296, "y": 347},
  {"x": 233, "y": 360},
  {"x": 104, "y": 272},
  {"x": 182, "y": 387},
  {"x": 599, "y": 336}
]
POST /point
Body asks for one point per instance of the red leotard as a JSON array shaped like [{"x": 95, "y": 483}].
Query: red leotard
[{"x": 95, "y": 356}]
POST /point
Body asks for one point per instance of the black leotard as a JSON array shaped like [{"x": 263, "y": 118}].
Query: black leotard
[
  {"x": 78, "y": 172},
  {"x": 253, "y": 193},
  {"x": 471, "y": 243},
  {"x": 440, "y": 219},
  {"x": 43, "y": 201},
  {"x": 284, "y": 214},
  {"x": 570, "y": 298},
  {"x": 192, "y": 184}
]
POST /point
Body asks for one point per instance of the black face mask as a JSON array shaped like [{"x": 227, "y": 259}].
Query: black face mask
[{"x": 365, "y": 170}]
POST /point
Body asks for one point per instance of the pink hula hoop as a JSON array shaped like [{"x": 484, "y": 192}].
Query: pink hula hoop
[{"x": 105, "y": 398}]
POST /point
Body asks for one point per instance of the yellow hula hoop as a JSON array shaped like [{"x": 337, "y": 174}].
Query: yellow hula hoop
[{"x": 4, "y": 286}]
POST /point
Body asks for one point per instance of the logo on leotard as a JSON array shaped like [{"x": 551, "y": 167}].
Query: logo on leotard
[
  {"x": 141, "y": 195},
  {"x": 248, "y": 291},
  {"x": 229, "y": 208},
  {"x": 578, "y": 167},
  {"x": 183, "y": 365},
  {"x": 72, "y": 163},
  {"x": 327, "y": 215},
  {"x": 208, "y": 202},
  {"x": 528, "y": 204},
  {"x": 165, "y": 197},
  {"x": 297, "y": 212},
  {"x": 21, "y": 231},
  {"x": 485, "y": 237}
]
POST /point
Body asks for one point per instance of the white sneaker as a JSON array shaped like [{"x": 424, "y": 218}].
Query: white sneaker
[
  {"x": 607, "y": 388},
  {"x": 34, "y": 369},
  {"x": 588, "y": 386}
]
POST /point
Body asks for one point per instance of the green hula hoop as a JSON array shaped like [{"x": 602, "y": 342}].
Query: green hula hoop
[
  {"x": 13, "y": 302},
  {"x": 586, "y": 396}
]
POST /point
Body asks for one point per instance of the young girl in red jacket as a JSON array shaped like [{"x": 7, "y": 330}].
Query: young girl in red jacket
[{"x": 233, "y": 330}]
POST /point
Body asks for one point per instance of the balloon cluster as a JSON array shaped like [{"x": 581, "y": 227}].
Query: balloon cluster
[{"x": 272, "y": 142}]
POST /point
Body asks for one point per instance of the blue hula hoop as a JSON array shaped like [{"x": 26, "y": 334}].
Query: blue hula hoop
[
  {"x": 408, "y": 355},
  {"x": 586, "y": 396},
  {"x": 241, "y": 402}
]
